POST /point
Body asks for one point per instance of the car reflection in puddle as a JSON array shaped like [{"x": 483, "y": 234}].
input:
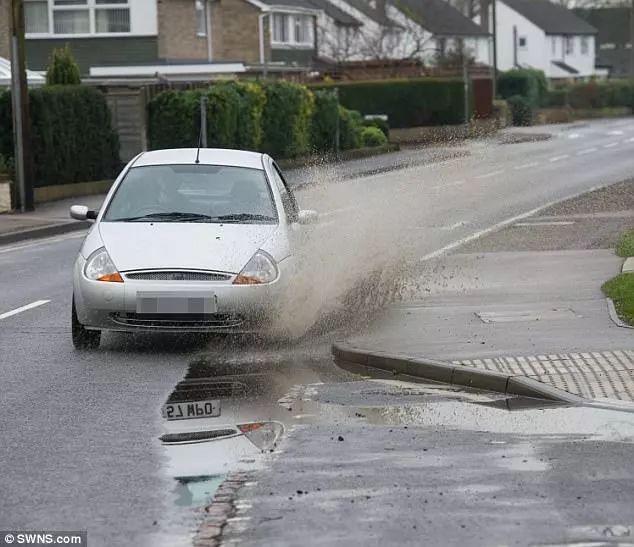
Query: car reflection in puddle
[{"x": 213, "y": 426}]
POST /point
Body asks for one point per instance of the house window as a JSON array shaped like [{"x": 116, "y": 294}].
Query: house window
[
  {"x": 292, "y": 29},
  {"x": 521, "y": 41},
  {"x": 36, "y": 16},
  {"x": 585, "y": 45},
  {"x": 553, "y": 45},
  {"x": 570, "y": 45},
  {"x": 280, "y": 27},
  {"x": 67, "y": 17},
  {"x": 201, "y": 17}
]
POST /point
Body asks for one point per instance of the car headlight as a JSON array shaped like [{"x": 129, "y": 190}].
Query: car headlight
[
  {"x": 260, "y": 269},
  {"x": 99, "y": 267}
]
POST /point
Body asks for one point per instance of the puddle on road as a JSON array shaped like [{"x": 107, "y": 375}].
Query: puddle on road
[{"x": 256, "y": 402}]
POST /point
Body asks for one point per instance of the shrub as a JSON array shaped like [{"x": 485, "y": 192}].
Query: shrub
[
  {"x": 223, "y": 105},
  {"x": 601, "y": 94},
  {"x": 350, "y": 126},
  {"x": 372, "y": 136},
  {"x": 381, "y": 124},
  {"x": 4, "y": 165},
  {"x": 324, "y": 122},
  {"x": 171, "y": 120},
  {"x": 250, "y": 111},
  {"x": 287, "y": 119},
  {"x": 528, "y": 83},
  {"x": 521, "y": 111},
  {"x": 407, "y": 103},
  {"x": 557, "y": 97},
  {"x": 62, "y": 68},
  {"x": 72, "y": 136}
]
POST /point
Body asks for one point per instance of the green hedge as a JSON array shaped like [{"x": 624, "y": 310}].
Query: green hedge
[
  {"x": 172, "y": 120},
  {"x": 287, "y": 119},
  {"x": 324, "y": 123},
  {"x": 250, "y": 112},
  {"x": 372, "y": 136},
  {"x": 601, "y": 94},
  {"x": 407, "y": 103},
  {"x": 350, "y": 126},
  {"x": 72, "y": 136},
  {"x": 521, "y": 111},
  {"x": 529, "y": 83}
]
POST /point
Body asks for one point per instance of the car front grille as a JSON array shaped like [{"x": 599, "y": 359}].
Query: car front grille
[
  {"x": 175, "y": 321},
  {"x": 177, "y": 275}
]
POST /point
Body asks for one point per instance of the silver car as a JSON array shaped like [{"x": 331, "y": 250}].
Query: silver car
[{"x": 187, "y": 240}]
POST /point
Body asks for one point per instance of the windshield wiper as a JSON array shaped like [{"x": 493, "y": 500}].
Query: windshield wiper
[
  {"x": 244, "y": 216},
  {"x": 174, "y": 216}
]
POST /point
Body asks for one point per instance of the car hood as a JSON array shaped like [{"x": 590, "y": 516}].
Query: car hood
[{"x": 206, "y": 246}]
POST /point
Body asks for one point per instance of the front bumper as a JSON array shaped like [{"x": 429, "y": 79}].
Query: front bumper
[{"x": 113, "y": 306}]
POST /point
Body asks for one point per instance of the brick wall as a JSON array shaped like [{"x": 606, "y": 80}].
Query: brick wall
[
  {"x": 235, "y": 32},
  {"x": 4, "y": 28},
  {"x": 177, "y": 38}
]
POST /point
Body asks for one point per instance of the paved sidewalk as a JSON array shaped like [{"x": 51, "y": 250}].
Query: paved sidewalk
[
  {"x": 536, "y": 314},
  {"x": 47, "y": 220}
]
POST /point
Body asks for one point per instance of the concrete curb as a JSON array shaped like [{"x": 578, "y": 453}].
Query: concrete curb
[
  {"x": 615, "y": 316},
  {"x": 43, "y": 231},
  {"x": 628, "y": 265},
  {"x": 440, "y": 371}
]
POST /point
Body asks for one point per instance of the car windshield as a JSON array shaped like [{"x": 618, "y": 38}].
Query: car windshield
[{"x": 193, "y": 193}]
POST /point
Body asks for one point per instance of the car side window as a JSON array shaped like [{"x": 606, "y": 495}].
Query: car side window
[{"x": 288, "y": 199}]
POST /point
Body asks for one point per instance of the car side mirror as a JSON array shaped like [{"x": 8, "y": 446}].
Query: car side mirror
[
  {"x": 307, "y": 216},
  {"x": 81, "y": 212}
]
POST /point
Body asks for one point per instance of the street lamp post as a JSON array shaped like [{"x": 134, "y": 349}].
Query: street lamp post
[{"x": 20, "y": 102}]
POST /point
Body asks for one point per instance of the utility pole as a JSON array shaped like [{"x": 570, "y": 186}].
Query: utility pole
[
  {"x": 23, "y": 154},
  {"x": 495, "y": 48},
  {"x": 632, "y": 40}
]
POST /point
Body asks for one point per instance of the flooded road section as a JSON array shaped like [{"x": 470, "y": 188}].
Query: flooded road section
[{"x": 303, "y": 431}]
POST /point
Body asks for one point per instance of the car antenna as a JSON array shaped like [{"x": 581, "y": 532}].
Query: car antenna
[{"x": 203, "y": 127}]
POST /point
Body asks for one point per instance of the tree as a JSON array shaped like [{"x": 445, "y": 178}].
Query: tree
[{"x": 62, "y": 68}]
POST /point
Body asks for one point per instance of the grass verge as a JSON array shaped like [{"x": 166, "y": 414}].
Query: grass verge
[
  {"x": 625, "y": 245},
  {"x": 621, "y": 290}
]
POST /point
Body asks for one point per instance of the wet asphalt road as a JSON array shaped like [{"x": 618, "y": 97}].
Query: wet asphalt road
[{"x": 80, "y": 431}]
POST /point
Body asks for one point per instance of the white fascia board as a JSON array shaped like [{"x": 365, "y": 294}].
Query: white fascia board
[{"x": 165, "y": 70}]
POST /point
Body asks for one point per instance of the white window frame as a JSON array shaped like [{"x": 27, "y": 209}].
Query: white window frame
[
  {"x": 201, "y": 13},
  {"x": 291, "y": 18},
  {"x": 569, "y": 45},
  {"x": 92, "y": 7},
  {"x": 585, "y": 45}
]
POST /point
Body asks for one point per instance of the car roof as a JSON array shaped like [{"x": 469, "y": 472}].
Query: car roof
[{"x": 208, "y": 156}]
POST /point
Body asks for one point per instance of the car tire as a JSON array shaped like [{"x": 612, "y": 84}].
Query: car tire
[{"x": 82, "y": 337}]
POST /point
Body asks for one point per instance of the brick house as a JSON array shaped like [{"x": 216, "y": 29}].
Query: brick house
[{"x": 171, "y": 33}]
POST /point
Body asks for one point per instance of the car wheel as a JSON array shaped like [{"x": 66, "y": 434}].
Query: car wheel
[{"x": 82, "y": 337}]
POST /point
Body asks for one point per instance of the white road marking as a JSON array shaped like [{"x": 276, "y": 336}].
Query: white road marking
[
  {"x": 24, "y": 308},
  {"x": 489, "y": 175},
  {"x": 339, "y": 211},
  {"x": 45, "y": 241},
  {"x": 454, "y": 226},
  {"x": 559, "y": 158},
  {"x": 547, "y": 223},
  {"x": 448, "y": 184},
  {"x": 616, "y": 132},
  {"x": 574, "y": 135},
  {"x": 586, "y": 151},
  {"x": 631, "y": 139},
  {"x": 499, "y": 225},
  {"x": 526, "y": 165},
  {"x": 610, "y": 144}
]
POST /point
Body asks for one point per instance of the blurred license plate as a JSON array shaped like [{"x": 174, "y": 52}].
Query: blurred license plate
[
  {"x": 153, "y": 302},
  {"x": 194, "y": 409}
]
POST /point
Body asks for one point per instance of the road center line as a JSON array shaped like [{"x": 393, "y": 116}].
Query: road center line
[
  {"x": 558, "y": 158},
  {"x": 448, "y": 184},
  {"x": 586, "y": 151},
  {"x": 526, "y": 165},
  {"x": 546, "y": 223},
  {"x": 489, "y": 175},
  {"x": 24, "y": 308},
  {"x": 610, "y": 144}
]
